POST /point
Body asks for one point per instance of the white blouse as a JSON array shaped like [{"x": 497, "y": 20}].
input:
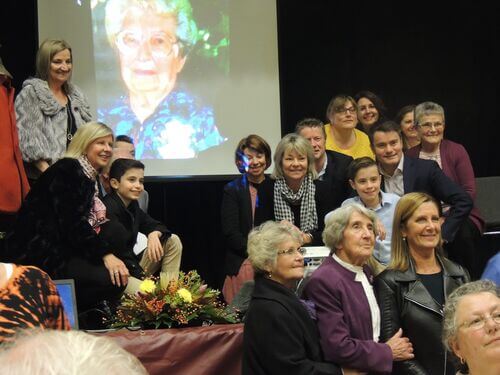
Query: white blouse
[{"x": 370, "y": 295}]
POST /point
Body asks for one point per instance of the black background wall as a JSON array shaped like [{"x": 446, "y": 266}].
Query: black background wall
[{"x": 443, "y": 53}]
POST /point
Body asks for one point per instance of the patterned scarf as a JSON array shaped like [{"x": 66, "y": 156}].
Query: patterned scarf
[
  {"x": 97, "y": 214},
  {"x": 284, "y": 197}
]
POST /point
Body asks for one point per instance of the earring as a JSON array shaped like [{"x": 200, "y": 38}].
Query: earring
[
  {"x": 269, "y": 274},
  {"x": 404, "y": 239},
  {"x": 462, "y": 361}
]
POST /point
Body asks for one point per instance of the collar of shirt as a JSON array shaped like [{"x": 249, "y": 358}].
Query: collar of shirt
[
  {"x": 322, "y": 172},
  {"x": 399, "y": 168},
  {"x": 356, "y": 269}
]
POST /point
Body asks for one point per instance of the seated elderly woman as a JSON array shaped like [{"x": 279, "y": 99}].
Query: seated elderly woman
[
  {"x": 454, "y": 160},
  {"x": 241, "y": 209},
  {"x": 28, "y": 299},
  {"x": 347, "y": 311},
  {"x": 471, "y": 327},
  {"x": 415, "y": 285},
  {"x": 280, "y": 337},
  {"x": 294, "y": 194}
]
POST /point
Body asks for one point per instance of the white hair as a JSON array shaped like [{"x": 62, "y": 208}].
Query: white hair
[{"x": 50, "y": 352}]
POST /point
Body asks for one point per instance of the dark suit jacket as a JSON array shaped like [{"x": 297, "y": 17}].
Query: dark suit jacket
[
  {"x": 426, "y": 176},
  {"x": 406, "y": 303},
  {"x": 457, "y": 166},
  {"x": 344, "y": 319},
  {"x": 324, "y": 204},
  {"x": 280, "y": 337},
  {"x": 122, "y": 228},
  {"x": 236, "y": 217},
  {"x": 336, "y": 177}
]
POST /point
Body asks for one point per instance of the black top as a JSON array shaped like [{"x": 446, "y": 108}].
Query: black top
[
  {"x": 279, "y": 336},
  {"x": 434, "y": 285}
]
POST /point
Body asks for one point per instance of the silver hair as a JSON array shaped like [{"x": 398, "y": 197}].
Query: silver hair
[
  {"x": 264, "y": 240},
  {"x": 450, "y": 327},
  {"x": 50, "y": 352},
  {"x": 336, "y": 222},
  {"x": 293, "y": 142},
  {"x": 427, "y": 109},
  {"x": 186, "y": 31}
]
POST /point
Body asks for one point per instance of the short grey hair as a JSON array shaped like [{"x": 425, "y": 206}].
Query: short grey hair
[
  {"x": 52, "y": 352},
  {"x": 450, "y": 327},
  {"x": 264, "y": 240},
  {"x": 337, "y": 220},
  {"x": 293, "y": 142},
  {"x": 427, "y": 109}
]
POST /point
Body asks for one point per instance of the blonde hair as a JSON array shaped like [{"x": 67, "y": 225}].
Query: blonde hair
[
  {"x": 293, "y": 142},
  {"x": 407, "y": 205},
  {"x": 48, "y": 49},
  {"x": 84, "y": 136},
  {"x": 264, "y": 240}
]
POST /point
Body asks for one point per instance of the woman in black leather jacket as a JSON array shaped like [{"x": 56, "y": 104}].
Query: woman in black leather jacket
[{"x": 414, "y": 287}]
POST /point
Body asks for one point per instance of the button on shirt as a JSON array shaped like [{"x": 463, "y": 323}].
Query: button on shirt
[
  {"x": 394, "y": 184},
  {"x": 370, "y": 295},
  {"x": 385, "y": 213}
]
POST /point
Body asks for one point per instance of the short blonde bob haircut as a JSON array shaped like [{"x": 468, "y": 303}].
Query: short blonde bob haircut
[
  {"x": 84, "y": 136},
  {"x": 263, "y": 243},
  {"x": 407, "y": 205},
  {"x": 48, "y": 49},
  {"x": 293, "y": 142}
]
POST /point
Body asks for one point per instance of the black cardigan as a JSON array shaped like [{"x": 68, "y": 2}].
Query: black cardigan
[{"x": 279, "y": 336}]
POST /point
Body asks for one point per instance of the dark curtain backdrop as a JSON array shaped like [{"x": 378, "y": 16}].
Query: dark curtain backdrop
[{"x": 406, "y": 53}]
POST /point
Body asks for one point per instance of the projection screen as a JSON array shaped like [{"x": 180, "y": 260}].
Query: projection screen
[{"x": 186, "y": 79}]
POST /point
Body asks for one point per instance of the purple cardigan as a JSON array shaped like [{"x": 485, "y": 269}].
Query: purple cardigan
[
  {"x": 344, "y": 319},
  {"x": 457, "y": 166}
]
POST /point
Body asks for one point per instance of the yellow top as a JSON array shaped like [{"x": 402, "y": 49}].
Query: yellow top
[{"x": 360, "y": 148}]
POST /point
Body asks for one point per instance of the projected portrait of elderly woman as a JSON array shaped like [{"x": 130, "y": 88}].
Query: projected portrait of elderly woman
[{"x": 151, "y": 39}]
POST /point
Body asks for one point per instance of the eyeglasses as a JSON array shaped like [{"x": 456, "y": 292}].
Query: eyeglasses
[
  {"x": 161, "y": 44},
  {"x": 480, "y": 321},
  {"x": 429, "y": 125},
  {"x": 343, "y": 110},
  {"x": 291, "y": 251}
]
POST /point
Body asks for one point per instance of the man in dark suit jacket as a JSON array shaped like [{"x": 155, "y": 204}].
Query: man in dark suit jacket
[
  {"x": 330, "y": 165},
  {"x": 403, "y": 174}
]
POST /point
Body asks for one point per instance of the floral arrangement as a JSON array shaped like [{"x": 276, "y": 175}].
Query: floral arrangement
[{"x": 163, "y": 303}]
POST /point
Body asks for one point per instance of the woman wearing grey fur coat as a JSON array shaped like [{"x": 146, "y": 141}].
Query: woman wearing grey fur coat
[{"x": 49, "y": 108}]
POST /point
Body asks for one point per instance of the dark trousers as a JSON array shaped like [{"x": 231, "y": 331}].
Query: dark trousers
[
  {"x": 464, "y": 249},
  {"x": 92, "y": 283}
]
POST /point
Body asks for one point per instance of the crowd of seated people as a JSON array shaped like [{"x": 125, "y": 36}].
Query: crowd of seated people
[{"x": 392, "y": 200}]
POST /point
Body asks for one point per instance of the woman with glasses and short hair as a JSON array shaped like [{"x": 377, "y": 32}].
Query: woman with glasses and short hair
[
  {"x": 280, "y": 336},
  {"x": 152, "y": 39},
  {"x": 341, "y": 289},
  {"x": 471, "y": 328},
  {"x": 414, "y": 287},
  {"x": 341, "y": 133},
  {"x": 455, "y": 163}
]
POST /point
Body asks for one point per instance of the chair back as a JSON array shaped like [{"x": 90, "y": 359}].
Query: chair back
[{"x": 488, "y": 202}]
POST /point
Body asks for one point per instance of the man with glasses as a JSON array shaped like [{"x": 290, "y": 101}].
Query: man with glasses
[
  {"x": 152, "y": 40},
  {"x": 403, "y": 174},
  {"x": 341, "y": 134}
]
